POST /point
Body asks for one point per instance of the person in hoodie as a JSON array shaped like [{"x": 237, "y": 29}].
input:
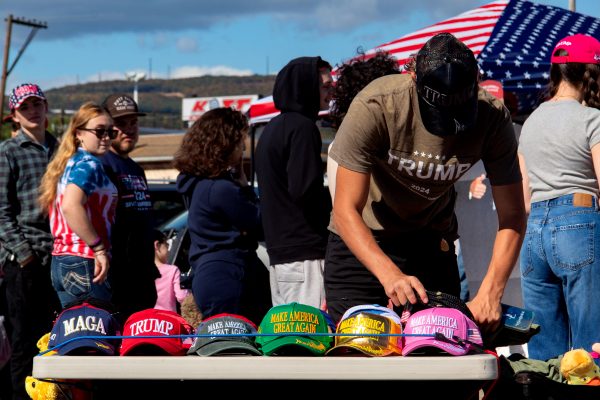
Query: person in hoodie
[
  {"x": 295, "y": 204},
  {"x": 224, "y": 218}
]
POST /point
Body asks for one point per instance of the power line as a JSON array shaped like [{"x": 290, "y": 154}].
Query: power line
[{"x": 32, "y": 23}]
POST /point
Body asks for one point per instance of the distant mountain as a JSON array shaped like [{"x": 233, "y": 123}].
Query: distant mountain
[{"x": 161, "y": 98}]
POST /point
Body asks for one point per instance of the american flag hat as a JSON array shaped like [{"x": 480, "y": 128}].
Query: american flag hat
[{"x": 22, "y": 92}]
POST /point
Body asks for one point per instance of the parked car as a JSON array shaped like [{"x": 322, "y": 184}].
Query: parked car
[{"x": 167, "y": 202}]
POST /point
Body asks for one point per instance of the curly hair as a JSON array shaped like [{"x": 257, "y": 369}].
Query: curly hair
[
  {"x": 355, "y": 75},
  {"x": 581, "y": 75},
  {"x": 209, "y": 143}
]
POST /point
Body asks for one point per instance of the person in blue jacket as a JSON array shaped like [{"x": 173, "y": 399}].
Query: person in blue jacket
[{"x": 224, "y": 218}]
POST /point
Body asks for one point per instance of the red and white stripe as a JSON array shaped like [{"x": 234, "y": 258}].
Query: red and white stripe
[{"x": 473, "y": 27}]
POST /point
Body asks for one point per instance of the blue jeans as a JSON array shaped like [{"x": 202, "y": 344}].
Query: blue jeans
[
  {"x": 72, "y": 279},
  {"x": 560, "y": 276}
]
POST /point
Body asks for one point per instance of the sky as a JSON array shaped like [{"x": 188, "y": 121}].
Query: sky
[{"x": 91, "y": 40}]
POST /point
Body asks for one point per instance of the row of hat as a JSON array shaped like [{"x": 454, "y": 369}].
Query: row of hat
[{"x": 289, "y": 329}]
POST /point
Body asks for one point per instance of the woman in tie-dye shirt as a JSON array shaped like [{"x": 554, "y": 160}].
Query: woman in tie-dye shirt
[{"x": 81, "y": 201}]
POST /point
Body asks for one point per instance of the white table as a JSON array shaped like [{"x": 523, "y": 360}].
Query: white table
[{"x": 481, "y": 367}]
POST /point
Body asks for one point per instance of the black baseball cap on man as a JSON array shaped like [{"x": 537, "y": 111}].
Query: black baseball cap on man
[
  {"x": 447, "y": 84},
  {"x": 120, "y": 105}
]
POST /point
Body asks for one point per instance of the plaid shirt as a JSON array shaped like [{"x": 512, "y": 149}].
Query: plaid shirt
[{"x": 24, "y": 228}]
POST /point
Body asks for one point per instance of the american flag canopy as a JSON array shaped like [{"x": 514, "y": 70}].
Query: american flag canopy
[{"x": 512, "y": 40}]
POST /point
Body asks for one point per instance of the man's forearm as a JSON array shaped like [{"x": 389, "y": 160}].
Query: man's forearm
[{"x": 504, "y": 256}]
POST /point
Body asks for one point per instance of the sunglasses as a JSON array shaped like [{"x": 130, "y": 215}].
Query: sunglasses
[{"x": 101, "y": 132}]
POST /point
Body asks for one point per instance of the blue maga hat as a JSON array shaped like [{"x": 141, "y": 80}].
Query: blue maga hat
[{"x": 78, "y": 330}]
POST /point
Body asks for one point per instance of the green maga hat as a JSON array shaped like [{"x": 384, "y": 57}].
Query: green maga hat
[{"x": 280, "y": 325}]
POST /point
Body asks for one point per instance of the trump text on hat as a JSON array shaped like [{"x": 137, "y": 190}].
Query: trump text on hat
[{"x": 151, "y": 325}]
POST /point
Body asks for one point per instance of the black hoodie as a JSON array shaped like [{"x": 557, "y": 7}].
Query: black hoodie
[{"x": 295, "y": 205}]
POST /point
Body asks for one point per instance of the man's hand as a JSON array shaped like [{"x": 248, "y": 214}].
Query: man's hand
[
  {"x": 477, "y": 188},
  {"x": 487, "y": 313},
  {"x": 400, "y": 288}
]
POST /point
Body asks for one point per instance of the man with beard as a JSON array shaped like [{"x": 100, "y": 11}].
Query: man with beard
[{"x": 133, "y": 271}]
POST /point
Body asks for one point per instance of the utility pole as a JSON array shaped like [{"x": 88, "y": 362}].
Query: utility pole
[
  {"x": 135, "y": 77},
  {"x": 35, "y": 25},
  {"x": 571, "y": 5}
]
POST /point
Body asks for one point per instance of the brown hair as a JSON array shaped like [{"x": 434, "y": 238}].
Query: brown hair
[
  {"x": 208, "y": 144},
  {"x": 583, "y": 76}
]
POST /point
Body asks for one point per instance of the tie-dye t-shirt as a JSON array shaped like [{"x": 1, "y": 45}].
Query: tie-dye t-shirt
[{"x": 84, "y": 170}]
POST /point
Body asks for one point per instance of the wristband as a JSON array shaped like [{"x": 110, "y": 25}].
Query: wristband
[
  {"x": 98, "y": 248},
  {"x": 96, "y": 242}
]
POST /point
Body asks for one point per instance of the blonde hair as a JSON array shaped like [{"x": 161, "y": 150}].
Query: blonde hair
[{"x": 67, "y": 148}]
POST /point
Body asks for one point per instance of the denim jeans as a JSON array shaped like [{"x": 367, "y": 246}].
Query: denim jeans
[
  {"x": 72, "y": 279},
  {"x": 560, "y": 276}
]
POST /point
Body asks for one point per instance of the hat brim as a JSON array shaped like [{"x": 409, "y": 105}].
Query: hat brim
[
  {"x": 226, "y": 347},
  {"x": 281, "y": 344},
  {"x": 371, "y": 350},
  {"x": 447, "y": 121},
  {"x": 128, "y": 113},
  {"x": 429, "y": 345},
  {"x": 21, "y": 101},
  {"x": 101, "y": 347}
]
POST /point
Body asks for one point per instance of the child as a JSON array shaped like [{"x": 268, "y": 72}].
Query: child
[{"x": 168, "y": 289}]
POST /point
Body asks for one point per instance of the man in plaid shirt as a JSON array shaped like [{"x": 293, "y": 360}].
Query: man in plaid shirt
[{"x": 25, "y": 254}]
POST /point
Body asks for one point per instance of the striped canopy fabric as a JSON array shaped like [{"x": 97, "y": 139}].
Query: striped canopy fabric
[{"x": 511, "y": 39}]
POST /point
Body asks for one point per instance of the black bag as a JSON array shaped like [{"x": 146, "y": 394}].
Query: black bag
[{"x": 530, "y": 385}]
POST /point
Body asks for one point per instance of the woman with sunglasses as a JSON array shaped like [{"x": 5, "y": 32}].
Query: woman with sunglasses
[{"x": 81, "y": 201}]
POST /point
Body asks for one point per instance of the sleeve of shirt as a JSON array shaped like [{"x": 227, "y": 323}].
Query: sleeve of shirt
[
  {"x": 360, "y": 136},
  {"x": 500, "y": 154},
  {"x": 87, "y": 174},
  {"x": 11, "y": 237},
  {"x": 594, "y": 128}
]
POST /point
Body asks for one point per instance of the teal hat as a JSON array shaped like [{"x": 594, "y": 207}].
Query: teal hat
[{"x": 290, "y": 318}]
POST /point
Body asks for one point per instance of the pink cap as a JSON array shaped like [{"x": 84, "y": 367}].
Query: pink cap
[
  {"x": 153, "y": 322},
  {"x": 454, "y": 332},
  {"x": 580, "y": 49}
]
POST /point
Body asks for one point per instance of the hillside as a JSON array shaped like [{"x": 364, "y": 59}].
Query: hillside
[{"x": 161, "y": 98}]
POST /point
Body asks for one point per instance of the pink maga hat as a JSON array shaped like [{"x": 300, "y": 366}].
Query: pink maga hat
[
  {"x": 443, "y": 328},
  {"x": 580, "y": 49}
]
